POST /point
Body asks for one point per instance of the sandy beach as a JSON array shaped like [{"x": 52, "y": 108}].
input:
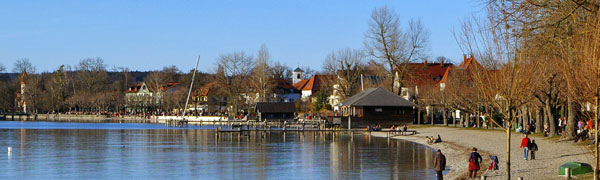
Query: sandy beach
[{"x": 457, "y": 144}]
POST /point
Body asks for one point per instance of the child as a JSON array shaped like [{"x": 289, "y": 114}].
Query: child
[{"x": 533, "y": 148}]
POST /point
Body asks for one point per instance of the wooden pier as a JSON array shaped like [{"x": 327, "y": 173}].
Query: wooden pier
[
  {"x": 238, "y": 126},
  {"x": 176, "y": 123},
  {"x": 278, "y": 126}
]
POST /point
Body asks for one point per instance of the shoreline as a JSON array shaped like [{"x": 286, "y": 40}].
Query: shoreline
[
  {"x": 452, "y": 153},
  {"x": 457, "y": 143}
]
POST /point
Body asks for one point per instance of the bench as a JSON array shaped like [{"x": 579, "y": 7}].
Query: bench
[{"x": 403, "y": 133}]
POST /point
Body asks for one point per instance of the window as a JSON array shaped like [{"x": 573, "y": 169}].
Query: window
[{"x": 298, "y": 76}]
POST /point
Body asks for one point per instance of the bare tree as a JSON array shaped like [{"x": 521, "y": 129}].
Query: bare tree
[
  {"x": 587, "y": 53},
  {"x": 442, "y": 59},
  {"x": 2, "y": 68},
  {"x": 125, "y": 80},
  {"x": 91, "y": 80},
  {"x": 346, "y": 65},
  {"x": 23, "y": 65},
  {"x": 280, "y": 71},
  {"x": 507, "y": 79},
  {"x": 155, "y": 81},
  {"x": 92, "y": 75},
  {"x": 236, "y": 68},
  {"x": 308, "y": 71},
  {"x": 261, "y": 79},
  {"x": 386, "y": 41}
]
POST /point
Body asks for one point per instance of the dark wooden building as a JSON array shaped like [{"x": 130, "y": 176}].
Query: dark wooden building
[
  {"x": 275, "y": 110},
  {"x": 376, "y": 106}
]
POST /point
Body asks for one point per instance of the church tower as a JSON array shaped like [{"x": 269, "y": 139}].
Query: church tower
[
  {"x": 21, "y": 95},
  {"x": 298, "y": 75}
]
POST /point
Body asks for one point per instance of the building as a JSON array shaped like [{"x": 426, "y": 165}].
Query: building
[
  {"x": 144, "y": 97},
  {"x": 423, "y": 82},
  {"x": 280, "y": 90},
  {"x": 369, "y": 77},
  {"x": 269, "y": 111},
  {"x": 210, "y": 98},
  {"x": 20, "y": 96},
  {"x": 311, "y": 86},
  {"x": 419, "y": 76},
  {"x": 297, "y": 75},
  {"x": 285, "y": 91},
  {"x": 469, "y": 63},
  {"x": 376, "y": 106}
]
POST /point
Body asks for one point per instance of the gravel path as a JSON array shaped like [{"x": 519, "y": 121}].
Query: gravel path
[{"x": 457, "y": 144}]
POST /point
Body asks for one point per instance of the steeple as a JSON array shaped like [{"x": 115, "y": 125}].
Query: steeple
[{"x": 297, "y": 75}]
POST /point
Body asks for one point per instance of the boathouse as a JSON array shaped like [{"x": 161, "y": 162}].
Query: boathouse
[
  {"x": 275, "y": 110},
  {"x": 376, "y": 106}
]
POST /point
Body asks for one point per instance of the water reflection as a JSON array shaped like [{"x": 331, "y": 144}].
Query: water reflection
[{"x": 204, "y": 154}]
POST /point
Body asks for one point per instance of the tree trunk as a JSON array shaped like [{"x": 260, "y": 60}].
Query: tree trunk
[
  {"x": 524, "y": 117},
  {"x": 531, "y": 120},
  {"x": 570, "y": 130},
  {"x": 418, "y": 116},
  {"x": 539, "y": 121},
  {"x": 463, "y": 117},
  {"x": 596, "y": 155},
  {"x": 454, "y": 118},
  {"x": 477, "y": 115},
  {"x": 444, "y": 116},
  {"x": 490, "y": 120},
  {"x": 508, "y": 123},
  {"x": 432, "y": 114},
  {"x": 550, "y": 117}
]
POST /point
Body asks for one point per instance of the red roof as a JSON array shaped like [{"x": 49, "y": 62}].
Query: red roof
[
  {"x": 468, "y": 62},
  {"x": 299, "y": 85},
  {"x": 313, "y": 84},
  {"x": 283, "y": 84},
  {"x": 427, "y": 73}
]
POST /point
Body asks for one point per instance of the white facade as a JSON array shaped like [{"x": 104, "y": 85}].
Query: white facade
[
  {"x": 306, "y": 94},
  {"x": 297, "y": 75}
]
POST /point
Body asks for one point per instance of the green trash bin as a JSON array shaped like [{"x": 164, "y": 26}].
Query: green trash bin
[{"x": 576, "y": 168}]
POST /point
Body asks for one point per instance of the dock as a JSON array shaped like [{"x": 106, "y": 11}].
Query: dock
[{"x": 176, "y": 123}]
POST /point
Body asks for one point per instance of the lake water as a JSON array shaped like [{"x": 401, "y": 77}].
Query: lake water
[{"x": 50, "y": 150}]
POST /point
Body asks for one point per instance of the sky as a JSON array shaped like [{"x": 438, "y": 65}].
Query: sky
[{"x": 148, "y": 35}]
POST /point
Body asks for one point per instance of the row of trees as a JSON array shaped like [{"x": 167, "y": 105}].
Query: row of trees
[
  {"x": 86, "y": 87},
  {"x": 90, "y": 87},
  {"x": 539, "y": 61}
]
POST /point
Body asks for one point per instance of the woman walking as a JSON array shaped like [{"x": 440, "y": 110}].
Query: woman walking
[{"x": 474, "y": 160}]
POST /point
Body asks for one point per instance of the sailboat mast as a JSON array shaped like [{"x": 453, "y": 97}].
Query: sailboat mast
[{"x": 190, "y": 91}]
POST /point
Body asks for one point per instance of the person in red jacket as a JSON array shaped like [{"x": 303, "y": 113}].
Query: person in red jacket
[{"x": 524, "y": 145}]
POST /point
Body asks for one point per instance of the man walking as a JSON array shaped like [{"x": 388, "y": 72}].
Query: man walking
[
  {"x": 525, "y": 146},
  {"x": 439, "y": 164},
  {"x": 533, "y": 148}
]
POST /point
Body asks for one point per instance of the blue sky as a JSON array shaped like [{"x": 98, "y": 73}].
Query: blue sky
[{"x": 148, "y": 35}]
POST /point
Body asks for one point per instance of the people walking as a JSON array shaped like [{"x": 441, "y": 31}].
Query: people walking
[
  {"x": 524, "y": 145},
  {"x": 439, "y": 164},
  {"x": 474, "y": 160},
  {"x": 533, "y": 148}
]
